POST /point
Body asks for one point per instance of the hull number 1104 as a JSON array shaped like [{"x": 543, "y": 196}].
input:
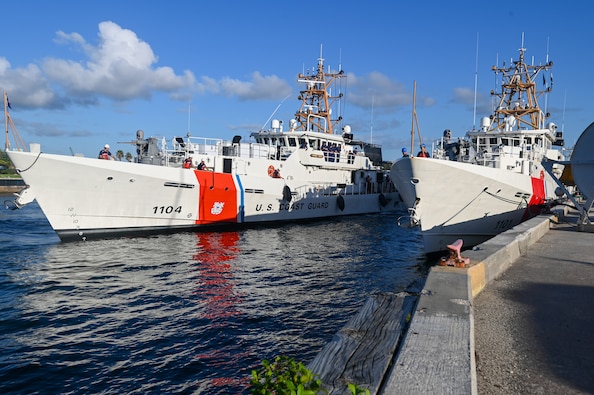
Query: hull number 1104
[{"x": 166, "y": 209}]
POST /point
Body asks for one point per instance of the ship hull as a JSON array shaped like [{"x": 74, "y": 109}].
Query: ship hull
[
  {"x": 453, "y": 200},
  {"x": 86, "y": 198}
]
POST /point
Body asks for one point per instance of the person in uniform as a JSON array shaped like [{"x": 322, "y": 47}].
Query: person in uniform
[
  {"x": 105, "y": 153},
  {"x": 202, "y": 165}
]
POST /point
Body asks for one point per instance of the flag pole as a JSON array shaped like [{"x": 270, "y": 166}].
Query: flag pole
[{"x": 7, "y": 142}]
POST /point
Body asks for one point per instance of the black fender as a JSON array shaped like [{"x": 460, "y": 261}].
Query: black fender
[
  {"x": 382, "y": 200},
  {"x": 287, "y": 196},
  {"x": 340, "y": 202}
]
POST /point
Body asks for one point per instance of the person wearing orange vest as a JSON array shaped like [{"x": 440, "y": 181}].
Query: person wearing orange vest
[
  {"x": 188, "y": 163},
  {"x": 423, "y": 152}
]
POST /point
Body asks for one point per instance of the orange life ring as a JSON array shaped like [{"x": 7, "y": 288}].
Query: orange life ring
[{"x": 270, "y": 170}]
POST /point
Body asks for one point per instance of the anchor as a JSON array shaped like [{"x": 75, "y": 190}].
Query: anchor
[{"x": 23, "y": 198}]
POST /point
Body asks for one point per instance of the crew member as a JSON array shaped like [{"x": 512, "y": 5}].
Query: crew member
[
  {"x": 188, "y": 163},
  {"x": 404, "y": 153},
  {"x": 423, "y": 152},
  {"x": 105, "y": 153},
  {"x": 202, "y": 165}
]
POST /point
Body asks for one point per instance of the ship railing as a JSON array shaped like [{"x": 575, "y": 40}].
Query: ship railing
[
  {"x": 488, "y": 159},
  {"x": 450, "y": 149},
  {"x": 334, "y": 189},
  {"x": 248, "y": 150},
  {"x": 196, "y": 146}
]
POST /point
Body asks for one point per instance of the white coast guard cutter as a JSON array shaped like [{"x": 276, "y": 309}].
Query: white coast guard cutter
[
  {"x": 322, "y": 174},
  {"x": 492, "y": 179}
]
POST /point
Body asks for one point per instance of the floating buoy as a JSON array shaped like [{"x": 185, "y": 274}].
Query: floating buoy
[
  {"x": 340, "y": 202},
  {"x": 287, "y": 193},
  {"x": 382, "y": 200}
]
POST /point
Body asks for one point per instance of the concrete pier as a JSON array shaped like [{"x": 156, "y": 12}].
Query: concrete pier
[{"x": 519, "y": 319}]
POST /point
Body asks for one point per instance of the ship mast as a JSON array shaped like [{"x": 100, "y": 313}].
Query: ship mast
[
  {"x": 518, "y": 100},
  {"x": 315, "y": 113}
]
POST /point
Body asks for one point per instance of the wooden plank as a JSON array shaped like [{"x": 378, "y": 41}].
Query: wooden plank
[{"x": 361, "y": 352}]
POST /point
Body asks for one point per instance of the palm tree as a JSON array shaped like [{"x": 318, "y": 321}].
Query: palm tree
[
  {"x": 128, "y": 157},
  {"x": 120, "y": 154}
]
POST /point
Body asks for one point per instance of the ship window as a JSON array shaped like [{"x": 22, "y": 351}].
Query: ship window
[
  {"x": 312, "y": 143},
  {"x": 528, "y": 140},
  {"x": 516, "y": 143},
  {"x": 265, "y": 140},
  {"x": 292, "y": 142},
  {"x": 493, "y": 141},
  {"x": 505, "y": 141},
  {"x": 282, "y": 142}
]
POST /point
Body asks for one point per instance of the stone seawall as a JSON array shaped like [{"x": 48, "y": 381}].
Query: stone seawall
[{"x": 10, "y": 185}]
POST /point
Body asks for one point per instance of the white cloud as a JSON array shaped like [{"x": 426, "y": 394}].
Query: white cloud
[
  {"x": 121, "y": 67},
  {"x": 27, "y": 87},
  {"x": 466, "y": 96},
  {"x": 259, "y": 87},
  {"x": 377, "y": 90}
]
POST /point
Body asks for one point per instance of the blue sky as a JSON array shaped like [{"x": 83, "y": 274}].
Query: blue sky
[{"x": 80, "y": 74}]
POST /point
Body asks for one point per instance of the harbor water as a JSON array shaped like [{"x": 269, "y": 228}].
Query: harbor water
[{"x": 186, "y": 312}]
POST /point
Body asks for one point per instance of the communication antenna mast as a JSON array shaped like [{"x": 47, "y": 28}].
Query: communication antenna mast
[
  {"x": 546, "y": 106},
  {"x": 371, "y": 128},
  {"x": 189, "y": 113},
  {"x": 475, "y": 82}
]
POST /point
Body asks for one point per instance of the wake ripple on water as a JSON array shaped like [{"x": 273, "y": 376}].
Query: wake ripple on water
[{"x": 188, "y": 312}]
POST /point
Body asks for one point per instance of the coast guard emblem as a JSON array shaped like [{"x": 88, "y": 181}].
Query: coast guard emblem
[{"x": 217, "y": 208}]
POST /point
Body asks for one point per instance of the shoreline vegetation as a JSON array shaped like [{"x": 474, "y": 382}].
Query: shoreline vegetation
[{"x": 10, "y": 180}]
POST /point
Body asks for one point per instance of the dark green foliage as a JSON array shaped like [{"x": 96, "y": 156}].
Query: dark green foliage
[{"x": 284, "y": 376}]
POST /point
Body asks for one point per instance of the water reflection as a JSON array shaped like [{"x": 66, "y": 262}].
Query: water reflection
[
  {"x": 216, "y": 284},
  {"x": 186, "y": 312}
]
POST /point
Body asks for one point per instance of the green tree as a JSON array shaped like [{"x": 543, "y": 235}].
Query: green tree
[
  {"x": 120, "y": 154},
  {"x": 128, "y": 157},
  {"x": 6, "y": 166}
]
